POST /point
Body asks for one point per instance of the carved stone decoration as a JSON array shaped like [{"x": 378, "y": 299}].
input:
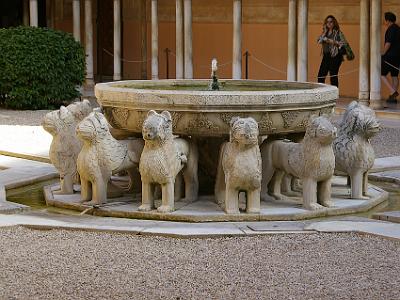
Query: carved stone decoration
[
  {"x": 162, "y": 159},
  {"x": 140, "y": 119},
  {"x": 312, "y": 161},
  {"x": 175, "y": 119},
  {"x": 240, "y": 167},
  {"x": 65, "y": 146},
  {"x": 326, "y": 111},
  {"x": 102, "y": 156},
  {"x": 289, "y": 117},
  {"x": 265, "y": 124},
  {"x": 304, "y": 122},
  {"x": 227, "y": 117},
  {"x": 120, "y": 116},
  {"x": 353, "y": 150},
  {"x": 201, "y": 123}
]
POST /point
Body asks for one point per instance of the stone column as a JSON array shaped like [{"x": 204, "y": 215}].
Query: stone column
[
  {"x": 89, "y": 43},
  {"x": 33, "y": 13},
  {"x": 179, "y": 39},
  {"x": 76, "y": 12},
  {"x": 188, "y": 39},
  {"x": 302, "y": 41},
  {"x": 291, "y": 64},
  {"x": 117, "y": 40},
  {"x": 237, "y": 40},
  {"x": 154, "y": 40},
  {"x": 363, "y": 94},
  {"x": 25, "y": 13},
  {"x": 376, "y": 22}
]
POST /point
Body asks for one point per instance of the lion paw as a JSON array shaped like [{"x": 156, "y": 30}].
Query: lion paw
[
  {"x": 165, "y": 209},
  {"x": 328, "y": 204},
  {"x": 144, "y": 207},
  {"x": 313, "y": 206}
]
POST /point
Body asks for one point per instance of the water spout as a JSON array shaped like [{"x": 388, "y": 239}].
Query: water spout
[{"x": 214, "y": 85}]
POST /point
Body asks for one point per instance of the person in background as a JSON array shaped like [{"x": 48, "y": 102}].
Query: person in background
[
  {"x": 332, "y": 41},
  {"x": 391, "y": 56}
]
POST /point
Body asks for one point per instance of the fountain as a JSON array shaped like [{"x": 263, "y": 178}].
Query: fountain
[{"x": 220, "y": 125}]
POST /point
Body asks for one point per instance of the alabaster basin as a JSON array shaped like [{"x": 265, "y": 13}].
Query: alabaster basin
[{"x": 277, "y": 106}]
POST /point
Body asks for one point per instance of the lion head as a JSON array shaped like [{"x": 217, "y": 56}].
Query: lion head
[
  {"x": 244, "y": 131},
  {"x": 360, "y": 120},
  {"x": 57, "y": 121},
  {"x": 320, "y": 129},
  {"x": 157, "y": 127},
  {"x": 80, "y": 109},
  {"x": 93, "y": 126}
]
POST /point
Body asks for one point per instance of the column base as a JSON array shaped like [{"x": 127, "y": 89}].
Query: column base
[{"x": 376, "y": 104}]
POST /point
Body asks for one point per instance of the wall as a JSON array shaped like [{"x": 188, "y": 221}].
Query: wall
[{"x": 264, "y": 36}]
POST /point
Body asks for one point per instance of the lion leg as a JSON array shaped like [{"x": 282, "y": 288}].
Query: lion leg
[
  {"x": 147, "y": 197},
  {"x": 310, "y": 194},
  {"x": 190, "y": 175},
  {"x": 220, "y": 187},
  {"x": 365, "y": 184},
  {"x": 67, "y": 186},
  {"x": 267, "y": 168},
  {"x": 134, "y": 180},
  {"x": 178, "y": 190},
  {"x": 231, "y": 198},
  {"x": 86, "y": 190},
  {"x": 99, "y": 188},
  {"x": 288, "y": 183},
  {"x": 167, "y": 198},
  {"x": 275, "y": 185},
  {"x": 357, "y": 185},
  {"x": 253, "y": 201},
  {"x": 324, "y": 193}
]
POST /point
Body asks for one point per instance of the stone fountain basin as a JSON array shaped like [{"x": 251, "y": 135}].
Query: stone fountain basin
[{"x": 278, "y": 106}]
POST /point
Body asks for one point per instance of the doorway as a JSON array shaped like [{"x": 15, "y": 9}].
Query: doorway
[{"x": 105, "y": 40}]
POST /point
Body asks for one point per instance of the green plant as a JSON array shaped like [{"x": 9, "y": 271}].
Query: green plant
[{"x": 39, "y": 68}]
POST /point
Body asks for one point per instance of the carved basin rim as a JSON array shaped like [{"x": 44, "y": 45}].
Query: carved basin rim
[
  {"x": 302, "y": 94},
  {"x": 208, "y": 113}
]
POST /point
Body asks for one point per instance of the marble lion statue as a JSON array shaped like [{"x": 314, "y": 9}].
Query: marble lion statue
[
  {"x": 240, "y": 167},
  {"x": 353, "y": 151},
  {"x": 312, "y": 161},
  {"x": 102, "y": 156},
  {"x": 163, "y": 157},
  {"x": 65, "y": 146}
]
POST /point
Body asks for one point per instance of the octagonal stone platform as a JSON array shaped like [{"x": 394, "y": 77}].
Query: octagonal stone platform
[{"x": 206, "y": 210}]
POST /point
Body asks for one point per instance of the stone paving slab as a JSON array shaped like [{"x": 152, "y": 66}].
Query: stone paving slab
[
  {"x": 385, "y": 229},
  {"x": 385, "y": 164},
  {"x": 16, "y": 172},
  {"x": 390, "y": 216},
  {"x": 201, "y": 230},
  {"x": 30, "y": 142},
  {"x": 387, "y": 176}
]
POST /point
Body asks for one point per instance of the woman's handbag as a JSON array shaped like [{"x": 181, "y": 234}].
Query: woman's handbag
[
  {"x": 349, "y": 52},
  {"x": 346, "y": 49}
]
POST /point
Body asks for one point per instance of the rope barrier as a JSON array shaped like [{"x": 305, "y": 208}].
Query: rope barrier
[
  {"x": 341, "y": 74},
  {"x": 391, "y": 65},
  {"x": 265, "y": 65}
]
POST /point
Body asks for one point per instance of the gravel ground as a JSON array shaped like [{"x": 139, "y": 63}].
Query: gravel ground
[
  {"x": 82, "y": 265},
  {"x": 387, "y": 142},
  {"x": 21, "y": 117}
]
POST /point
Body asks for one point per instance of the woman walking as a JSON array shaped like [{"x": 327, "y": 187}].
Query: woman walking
[{"x": 332, "y": 40}]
